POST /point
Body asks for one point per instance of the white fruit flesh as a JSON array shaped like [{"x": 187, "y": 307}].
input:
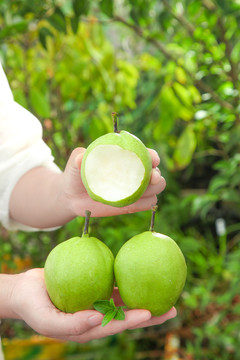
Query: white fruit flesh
[{"x": 113, "y": 173}]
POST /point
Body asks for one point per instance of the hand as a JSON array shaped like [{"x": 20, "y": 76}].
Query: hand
[
  {"x": 30, "y": 302},
  {"x": 78, "y": 200}
]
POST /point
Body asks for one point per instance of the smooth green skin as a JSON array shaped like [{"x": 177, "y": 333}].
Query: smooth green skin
[
  {"x": 150, "y": 273},
  {"x": 128, "y": 142},
  {"x": 78, "y": 272}
]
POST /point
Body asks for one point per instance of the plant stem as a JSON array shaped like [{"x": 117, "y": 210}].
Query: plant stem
[
  {"x": 115, "y": 122},
  {"x": 87, "y": 217},
  {"x": 154, "y": 209}
]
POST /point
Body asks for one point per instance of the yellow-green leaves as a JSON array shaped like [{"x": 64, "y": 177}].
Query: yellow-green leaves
[
  {"x": 185, "y": 148},
  {"x": 39, "y": 102}
]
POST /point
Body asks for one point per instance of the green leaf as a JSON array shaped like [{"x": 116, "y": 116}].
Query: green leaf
[
  {"x": 14, "y": 29},
  {"x": 58, "y": 21},
  {"x": 74, "y": 24},
  {"x": 109, "y": 316},
  {"x": 107, "y": 7},
  {"x": 218, "y": 182},
  {"x": 112, "y": 303},
  {"x": 185, "y": 148},
  {"x": 80, "y": 7},
  {"x": 120, "y": 315},
  {"x": 110, "y": 310},
  {"x": 183, "y": 94},
  {"x": 43, "y": 34},
  {"x": 103, "y": 306},
  {"x": 39, "y": 102}
]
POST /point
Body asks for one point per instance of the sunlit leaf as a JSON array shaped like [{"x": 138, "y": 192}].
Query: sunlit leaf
[
  {"x": 185, "y": 148},
  {"x": 39, "y": 102}
]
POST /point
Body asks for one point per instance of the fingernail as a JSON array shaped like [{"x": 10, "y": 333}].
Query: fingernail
[
  {"x": 157, "y": 154},
  {"x": 95, "y": 320},
  {"x": 77, "y": 159}
]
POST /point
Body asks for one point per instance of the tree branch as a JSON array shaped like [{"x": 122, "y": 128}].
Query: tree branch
[
  {"x": 180, "y": 18},
  {"x": 170, "y": 56}
]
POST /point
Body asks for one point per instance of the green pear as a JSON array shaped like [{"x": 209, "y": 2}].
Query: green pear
[
  {"x": 150, "y": 272},
  {"x": 116, "y": 168},
  {"x": 78, "y": 272}
]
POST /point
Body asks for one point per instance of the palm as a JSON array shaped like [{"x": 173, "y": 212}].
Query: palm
[{"x": 32, "y": 304}]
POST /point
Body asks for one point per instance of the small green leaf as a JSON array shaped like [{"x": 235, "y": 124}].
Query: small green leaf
[
  {"x": 39, "y": 102},
  {"x": 110, "y": 310},
  {"x": 107, "y": 7},
  {"x": 57, "y": 20},
  {"x": 120, "y": 315},
  {"x": 112, "y": 303},
  {"x": 43, "y": 34},
  {"x": 103, "y": 306},
  {"x": 109, "y": 316},
  {"x": 185, "y": 148},
  {"x": 74, "y": 24},
  {"x": 80, "y": 7}
]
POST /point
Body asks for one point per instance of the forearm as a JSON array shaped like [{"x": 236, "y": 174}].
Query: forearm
[
  {"x": 7, "y": 284},
  {"x": 36, "y": 200}
]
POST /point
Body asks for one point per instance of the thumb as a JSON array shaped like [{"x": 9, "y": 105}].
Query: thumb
[{"x": 75, "y": 158}]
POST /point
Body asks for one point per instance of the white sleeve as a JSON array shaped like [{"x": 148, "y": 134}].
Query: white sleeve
[{"x": 21, "y": 149}]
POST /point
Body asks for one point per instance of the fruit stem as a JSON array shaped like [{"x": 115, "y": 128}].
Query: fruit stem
[
  {"x": 86, "y": 225},
  {"x": 115, "y": 122},
  {"x": 154, "y": 209}
]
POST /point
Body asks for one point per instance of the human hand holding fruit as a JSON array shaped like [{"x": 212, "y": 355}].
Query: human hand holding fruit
[
  {"x": 145, "y": 178},
  {"x": 30, "y": 302},
  {"x": 104, "y": 187}
]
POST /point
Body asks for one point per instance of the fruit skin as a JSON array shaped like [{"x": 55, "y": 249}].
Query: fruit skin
[
  {"x": 150, "y": 272},
  {"x": 78, "y": 272},
  {"x": 128, "y": 142}
]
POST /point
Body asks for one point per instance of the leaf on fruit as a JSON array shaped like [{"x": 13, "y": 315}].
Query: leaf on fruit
[
  {"x": 110, "y": 310},
  {"x": 120, "y": 315},
  {"x": 109, "y": 316},
  {"x": 103, "y": 306}
]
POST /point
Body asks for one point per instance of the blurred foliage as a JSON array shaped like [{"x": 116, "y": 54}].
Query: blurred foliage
[{"x": 171, "y": 70}]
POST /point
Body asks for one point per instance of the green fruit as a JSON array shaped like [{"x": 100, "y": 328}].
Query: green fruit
[
  {"x": 150, "y": 272},
  {"x": 78, "y": 272},
  {"x": 116, "y": 168}
]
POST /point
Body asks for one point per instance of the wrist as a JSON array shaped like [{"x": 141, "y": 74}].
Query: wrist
[
  {"x": 8, "y": 295},
  {"x": 63, "y": 201}
]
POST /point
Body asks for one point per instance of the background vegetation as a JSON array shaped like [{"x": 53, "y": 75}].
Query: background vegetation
[{"x": 171, "y": 71}]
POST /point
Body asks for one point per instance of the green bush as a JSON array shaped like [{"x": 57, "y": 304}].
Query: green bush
[{"x": 171, "y": 70}]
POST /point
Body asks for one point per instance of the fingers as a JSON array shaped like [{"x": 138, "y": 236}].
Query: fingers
[
  {"x": 157, "y": 320},
  {"x": 133, "y": 318},
  {"x": 155, "y": 176},
  {"x": 156, "y": 188},
  {"x": 155, "y": 158},
  {"x": 54, "y": 323},
  {"x": 143, "y": 204},
  {"x": 75, "y": 158},
  {"x": 80, "y": 199},
  {"x": 39, "y": 313}
]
